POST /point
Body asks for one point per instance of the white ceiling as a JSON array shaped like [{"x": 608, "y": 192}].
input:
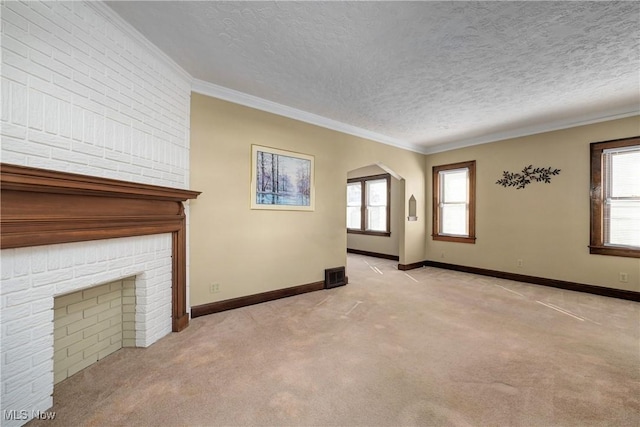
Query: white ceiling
[{"x": 427, "y": 76}]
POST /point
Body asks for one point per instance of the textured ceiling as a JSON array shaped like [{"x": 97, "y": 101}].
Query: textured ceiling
[{"x": 424, "y": 74}]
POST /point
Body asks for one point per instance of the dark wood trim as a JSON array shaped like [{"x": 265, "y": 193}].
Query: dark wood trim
[
  {"x": 25, "y": 178},
  {"x": 369, "y": 233},
  {"x": 44, "y": 207},
  {"x": 388, "y": 204},
  {"x": 561, "y": 284},
  {"x": 373, "y": 254},
  {"x": 230, "y": 304},
  {"x": 457, "y": 239},
  {"x": 615, "y": 251},
  {"x": 363, "y": 205},
  {"x": 597, "y": 238},
  {"x": 414, "y": 265},
  {"x": 180, "y": 315},
  {"x": 369, "y": 177},
  {"x": 435, "y": 234}
]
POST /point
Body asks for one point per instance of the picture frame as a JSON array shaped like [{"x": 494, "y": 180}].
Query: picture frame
[{"x": 281, "y": 179}]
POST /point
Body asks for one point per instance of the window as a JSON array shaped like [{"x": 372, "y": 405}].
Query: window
[
  {"x": 615, "y": 198},
  {"x": 454, "y": 202},
  {"x": 368, "y": 205}
]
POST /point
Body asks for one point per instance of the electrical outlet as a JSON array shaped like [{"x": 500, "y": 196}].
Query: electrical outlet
[
  {"x": 214, "y": 288},
  {"x": 519, "y": 263},
  {"x": 624, "y": 277}
]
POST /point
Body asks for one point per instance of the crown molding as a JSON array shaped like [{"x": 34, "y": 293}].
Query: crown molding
[
  {"x": 120, "y": 23},
  {"x": 606, "y": 116},
  {"x": 226, "y": 94},
  {"x": 213, "y": 90}
]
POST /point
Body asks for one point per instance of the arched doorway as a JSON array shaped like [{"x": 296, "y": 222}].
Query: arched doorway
[{"x": 375, "y": 224}]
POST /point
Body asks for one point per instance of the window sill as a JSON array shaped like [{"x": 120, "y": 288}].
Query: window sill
[
  {"x": 615, "y": 251},
  {"x": 369, "y": 233},
  {"x": 457, "y": 239}
]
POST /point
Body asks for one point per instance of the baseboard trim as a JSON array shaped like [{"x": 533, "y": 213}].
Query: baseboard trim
[
  {"x": 405, "y": 267},
  {"x": 230, "y": 304},
  {"x": 373, "y": 254},
  {"x": 561, "y": 284}
]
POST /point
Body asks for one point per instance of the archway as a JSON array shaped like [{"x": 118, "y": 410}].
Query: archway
[{"x": 385, "y": 238}]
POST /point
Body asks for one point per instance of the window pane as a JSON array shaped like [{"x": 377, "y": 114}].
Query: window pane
[
  {"x": 454, "y": 186},
  {"x": 625, "y": 174},
  {"x": 454, "y": 219},
  {"x": 622, "y": 196},
  {"x": 353, "y": 217},
  {"x": 622, "y": 226},
  {"x": 377, "y": 218},
  {"x": 377, "y": 192},
  {"x": 354, "y": 194},
  {"x": 375, "y": 199}
]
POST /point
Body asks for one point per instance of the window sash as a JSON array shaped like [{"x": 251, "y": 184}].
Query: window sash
[
  {"x": 454, "y": 219},
  {"x": 374, "y": 208},
  {"x": 454, "y": 186},
  {"x": 622, "y": 223},
  {"x": 621, "y": 187},
  {"x": 374, "y": 196},
  {"x": 376, "y": 218},
  {"x": 354, "y": 217},
  {"x": 354, "y": 194}
]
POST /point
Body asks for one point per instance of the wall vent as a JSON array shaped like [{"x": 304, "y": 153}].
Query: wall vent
[{"x": 334, "y": 277}]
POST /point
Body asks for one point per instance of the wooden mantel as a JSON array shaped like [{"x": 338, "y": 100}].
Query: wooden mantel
[{"x": 44, "y": 207}]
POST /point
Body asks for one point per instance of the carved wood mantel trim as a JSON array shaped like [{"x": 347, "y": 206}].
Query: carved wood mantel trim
[{"x": 44, "y": 207}]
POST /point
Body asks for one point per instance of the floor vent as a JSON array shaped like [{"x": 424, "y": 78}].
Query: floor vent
[{"x": 334, "y": 277}]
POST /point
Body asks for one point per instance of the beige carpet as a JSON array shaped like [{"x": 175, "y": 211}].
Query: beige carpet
[{"x": 430, "y": 347}]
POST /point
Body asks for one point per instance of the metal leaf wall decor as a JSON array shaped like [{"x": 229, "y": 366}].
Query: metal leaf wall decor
[{"x": 528, "y": 175}]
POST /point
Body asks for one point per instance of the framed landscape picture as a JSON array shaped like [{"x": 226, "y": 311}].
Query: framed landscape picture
[{"x": 281, "y": 180}]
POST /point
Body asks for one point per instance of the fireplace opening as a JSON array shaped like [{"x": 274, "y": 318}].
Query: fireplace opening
[
  {"x": 91, "y": 324},
  {"x": 62, "y": 233}
]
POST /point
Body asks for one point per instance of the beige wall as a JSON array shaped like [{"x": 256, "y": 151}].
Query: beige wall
[
  {"x": 248, "y": 251},
  {"x": 389, "y": 245},
  {"x": 545, "y": 225}
]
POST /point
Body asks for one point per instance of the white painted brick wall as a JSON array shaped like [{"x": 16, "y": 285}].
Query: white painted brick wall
[
  {"x": 32, "y": 277},
  {"x": 83, "y": 92},
  {"x": 129, "y": 312},
  {"x": 79, "y": 94}
]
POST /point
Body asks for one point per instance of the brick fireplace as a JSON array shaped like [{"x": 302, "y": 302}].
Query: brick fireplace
[
  {"x": 62, "y": 233},
  {"x": 84, "y": 92}
]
